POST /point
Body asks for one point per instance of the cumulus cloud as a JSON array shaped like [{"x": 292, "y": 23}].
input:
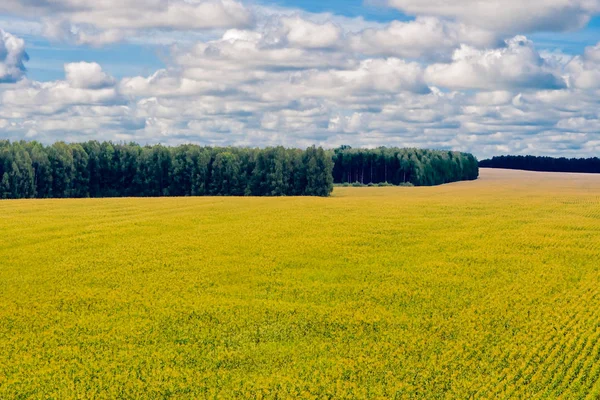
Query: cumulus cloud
[
  {"x": 516, "y": 66},
  {"x": 64, "y": 31},
  {"x": 425, "y": 37},
  {"x": 507, "y": 16},
  {"x": 306, "y": 34},
  {"x": 299, "y": 79},
  {"x": 170, "y": 83},
  {"x": 101, "y": 22},
  {"x": 210, "y": 97},
  {"x": 242, "y": 49},
  {"x": 12, "y": 57},
  {"x": 84, "y": 75},
  {"x": 85, "y": 84},
  {"x": 372, "y": 76},
  {"x": 584, "y": 70}
]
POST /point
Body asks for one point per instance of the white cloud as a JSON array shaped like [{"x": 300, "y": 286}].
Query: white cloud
[
  {"x": 86, "y": 75},
  {"x": 355, "y": 122},
  {"x": 249, "y": 50},
  {"x": 86, "y": 84},
  {"x": 306, "y": 34},
  {"x": 516, "y": 66},
  {"x": 168, "y": 83},
  {"x": 12, "y": 57},
  {"x": 584, "y": 70},
  {"x": 425, "y": 37},
  {"x": 64, "y": 31},
  {"x": 372, "y": 76},
  {"x": 106, "y": 21},
  {"x": 507, "y": 16},
  {"x": 298, "y": 79}
]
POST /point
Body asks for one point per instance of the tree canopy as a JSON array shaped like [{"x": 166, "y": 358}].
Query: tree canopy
[
  {"x": 402, "y": 166},
  {"x": 93, "y": 169},
  {"x": 107, "y": 169},
  {"x": 544, "y": 164}
]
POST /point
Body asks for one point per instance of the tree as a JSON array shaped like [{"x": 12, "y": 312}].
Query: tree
[
  {"x": 61, "y": 161},
  {"x": 5, "y": 190},
  {"x": 81, "y": 173},
  {"x": 400, "y": 166},
  {"x": 93, "y": 149},
  {"x": 22, "y": 176},
  {"x": 319, "y": 172},
  {"x": 225, "y": 175},
  {"x": 107, "y": 169},
  {"x": 42, "y": 169}
]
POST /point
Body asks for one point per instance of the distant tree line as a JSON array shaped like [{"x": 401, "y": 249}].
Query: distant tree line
[
  {"x": 544, "y": 164},
  {"x": 93, "y": 169},
  {"x": 402, "y": 166}
]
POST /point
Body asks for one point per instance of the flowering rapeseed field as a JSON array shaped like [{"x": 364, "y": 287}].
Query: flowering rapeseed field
[{"x": 485, "y": 289}]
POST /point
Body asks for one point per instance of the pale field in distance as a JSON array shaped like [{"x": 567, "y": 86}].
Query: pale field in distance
[{"x": 489, "y": 289}]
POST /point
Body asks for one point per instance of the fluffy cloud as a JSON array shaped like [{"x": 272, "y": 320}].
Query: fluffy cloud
[
  {"x": 584, "y": 70},
  {"x": 85, "y": 75},
  {"x": 516, "y": 66},
  {"x": 12, "y": 57},
  {"x": 106, "y": 21},
  {"x": 86, "y": 84},
  {"x": 240, "y": 49},
  {"x": 507, "y": 16},
  {"x": 372, "y": 76},
  {"x": 306, "y": 34},
  {"x": 297, "y": 79},
  {"x": 425, "y": 37}
]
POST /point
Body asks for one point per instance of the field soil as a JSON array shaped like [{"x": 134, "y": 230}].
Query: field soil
[{"x": 482, "y": 289}]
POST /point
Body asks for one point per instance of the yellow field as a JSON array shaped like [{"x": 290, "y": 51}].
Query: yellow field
[{"x": 486, "y": 289}]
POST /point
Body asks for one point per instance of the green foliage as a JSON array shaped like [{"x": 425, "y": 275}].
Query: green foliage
[
  {"x": 93, "y": 169},
  {"x": 402, "y": 166},
  {"x": 16, "y": 171},
  {"x": 549, "y": 164},
  {"x": 318, "y": 166}
]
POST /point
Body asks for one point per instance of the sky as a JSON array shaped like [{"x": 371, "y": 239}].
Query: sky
[{"x": 489, "y": 77}]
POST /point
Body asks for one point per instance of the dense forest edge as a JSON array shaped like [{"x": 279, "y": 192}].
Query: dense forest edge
[
  {"x": 401, "y": 167},
  {"x": 94, "y": 169},
  {"x": 544, "y": 164}
]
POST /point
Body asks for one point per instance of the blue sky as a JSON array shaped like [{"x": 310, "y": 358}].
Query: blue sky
[
  {"x": 490, "y": 76},
  {"x": 47, "y": 58},
  {"x": 349, "y": 8}
]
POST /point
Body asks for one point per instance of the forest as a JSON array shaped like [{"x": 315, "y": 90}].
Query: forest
[
  {"x": 544, "y": 164},
  {"x": 94, "y": 169},
  {"x": 396, "y": 166}
]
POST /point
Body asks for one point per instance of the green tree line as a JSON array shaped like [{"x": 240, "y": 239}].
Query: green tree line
[
  {"x": 398, "y": 166},
  {"x": 544, "y": 164},
  {"x": 93, "y": 169}
]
